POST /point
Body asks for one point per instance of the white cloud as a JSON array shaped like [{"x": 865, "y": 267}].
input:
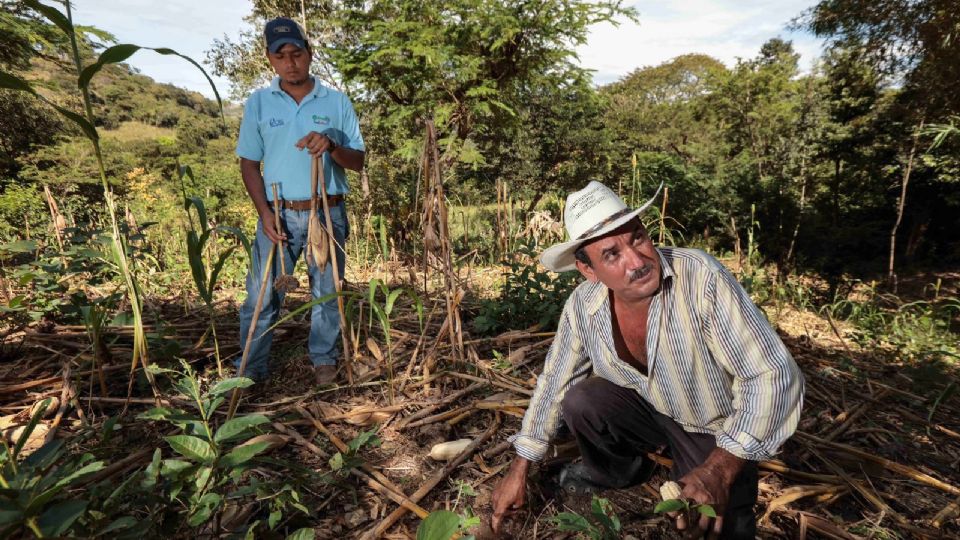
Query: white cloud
[
  {"x": 724, "y": 29},
  {"x": 186, "y": 26}
]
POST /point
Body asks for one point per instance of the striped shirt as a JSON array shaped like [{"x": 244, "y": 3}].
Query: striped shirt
[{"x": 715, "y": 365}]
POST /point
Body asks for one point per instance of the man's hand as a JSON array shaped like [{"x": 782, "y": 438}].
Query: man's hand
[
  {"x": 709, "y": 484},
  {"x": 509, "y": 495},
  {"x": 269, "y": 225},
  {"x": 315, "y": 143}
]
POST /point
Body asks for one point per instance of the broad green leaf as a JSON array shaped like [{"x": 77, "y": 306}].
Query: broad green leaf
[
  {"x": 34, "y": 420},
  {"x": 301, "y": 534},
  {"x": 669, "y": 505},
  {"x": 244, "y": 454},
  {"x": 197, "y": 203},
  {"x": 274, "y": 518},
  {"x": 336, "y": 462},
  {"x": 119, "y": 53},
  {"x": 57, "y": 519},
  {"x": 251, "y": 531},
  {"x": 706, "y": 510},
  {"x": 215, "y": 272},
  {"x": 227, "y": 385},
  {"x": 391, "y": 299},
  {"x": 53, "y": 14},
  {"x": 173, "y": 467},
  {"x": 238, "y": 426},
  {"x": 152, "y": 472},
  {"x": 201, "y": 477},
  {"x": 19, "y": 246},
  {"x": 89, "y": 468},
  {"x": 122, "y": 523},
  {"x": 10, "y": 516},
  {"x": 238, "y": 234},
  {"x": 439, "y": 525},
  {"x": 205, "y": 508},
  {"x": 191, "y": 447},
  {"x": 568, "y": 521},
  {"x": 45, "y": 455},
  {"x": 12, "y": 82}
]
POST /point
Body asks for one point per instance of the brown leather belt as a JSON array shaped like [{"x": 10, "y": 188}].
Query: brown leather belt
[{"x": 332, "y": 200}]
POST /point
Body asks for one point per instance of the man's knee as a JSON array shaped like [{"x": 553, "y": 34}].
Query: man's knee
[{"x": 584, "y": 399}]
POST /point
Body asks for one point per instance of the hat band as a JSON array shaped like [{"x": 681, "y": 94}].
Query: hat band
[{"x": 610, "y": 219}]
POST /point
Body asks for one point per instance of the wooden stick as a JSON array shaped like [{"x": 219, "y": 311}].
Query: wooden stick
[
  {"x": 379, "y": 482},
  {"x": 335, "y": 266},
  {"x": 449, "y": 399},
  {"x": 237, "y": 392},
  {"x": 438, "y": 477},
  {"x": 904, "y": 470}
]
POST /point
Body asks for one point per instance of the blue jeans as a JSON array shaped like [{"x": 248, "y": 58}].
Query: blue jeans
[{"x": 324, "y": 318}]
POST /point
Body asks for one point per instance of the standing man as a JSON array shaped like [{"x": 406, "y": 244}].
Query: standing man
[
  {"x": 284, "y": 126},
  {"x": 680, "y": 357}
]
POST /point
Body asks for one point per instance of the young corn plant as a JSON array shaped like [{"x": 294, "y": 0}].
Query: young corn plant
[
  {"x": 86, "y": 122},
  {"x": 383, "y": 313},
  {"x": 603, "y": 525},
  {"x": 205, "y": 276}
]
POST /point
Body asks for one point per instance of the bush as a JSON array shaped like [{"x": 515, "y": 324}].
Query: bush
[{"x": 529, "y": 296}]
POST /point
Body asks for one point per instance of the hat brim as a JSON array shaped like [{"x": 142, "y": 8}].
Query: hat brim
[
  {"x": 275, "y": 46},
  {"x": 559, "y": 257}
]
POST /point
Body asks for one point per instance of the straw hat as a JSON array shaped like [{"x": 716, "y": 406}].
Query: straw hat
[{"x": 590, "y": 213}]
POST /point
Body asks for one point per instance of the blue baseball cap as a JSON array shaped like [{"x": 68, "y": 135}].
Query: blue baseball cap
[{"x": 281, "y": 31}]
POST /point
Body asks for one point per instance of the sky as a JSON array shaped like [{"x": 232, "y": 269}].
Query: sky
[{"x": 724, "y": 29}]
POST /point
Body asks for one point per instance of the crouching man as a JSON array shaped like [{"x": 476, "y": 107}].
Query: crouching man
[{"x": 659, "y": 347}]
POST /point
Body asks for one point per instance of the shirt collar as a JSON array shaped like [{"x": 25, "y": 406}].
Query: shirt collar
[
  {"x": 318, "y": 91},
  {"x": 598, "y": 295}
]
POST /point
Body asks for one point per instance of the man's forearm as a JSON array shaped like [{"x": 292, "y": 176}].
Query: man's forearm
[
  {"x": 348, "y": 158},
  {"x": 725, "y": 464},
  {"x": 253, "y": 181}
]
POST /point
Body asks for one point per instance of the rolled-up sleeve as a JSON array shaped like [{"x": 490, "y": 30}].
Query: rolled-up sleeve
[
  {"x": 767, "y": 383},
  {"x": 250, "y": 142},
  {"x": 566, "y": 365}
]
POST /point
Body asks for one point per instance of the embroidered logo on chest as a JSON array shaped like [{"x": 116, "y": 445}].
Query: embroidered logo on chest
[
  {"x": 321, "y": 120},
  {"x": 276, "y": 122}
]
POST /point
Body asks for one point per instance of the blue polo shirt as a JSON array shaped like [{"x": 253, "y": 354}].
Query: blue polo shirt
[{"x": 273, "y": 123}]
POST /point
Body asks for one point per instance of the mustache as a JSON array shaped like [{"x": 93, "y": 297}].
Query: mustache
[{"x": 639, "y": 273}]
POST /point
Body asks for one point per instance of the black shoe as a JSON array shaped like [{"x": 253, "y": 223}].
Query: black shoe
[{"x": 575, "y": 480}]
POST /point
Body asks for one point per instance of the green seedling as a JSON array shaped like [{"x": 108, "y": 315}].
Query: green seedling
[{"x": 673, "y": 501}]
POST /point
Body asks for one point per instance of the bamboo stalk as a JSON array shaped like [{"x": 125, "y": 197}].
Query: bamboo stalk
[
  {"x": 379, "y": 482},
  {"x": 237, "y": 392},
  {"x": 335, "y": 266},
  {"x": 438, "y": 477},
  {"x": 893, "y": 466}
]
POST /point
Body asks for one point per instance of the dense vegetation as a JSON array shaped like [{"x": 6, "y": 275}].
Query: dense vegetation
[{"x": 826, "y": 189}]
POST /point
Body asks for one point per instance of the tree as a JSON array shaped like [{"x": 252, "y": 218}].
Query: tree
[{"x": 495, "y": 75}]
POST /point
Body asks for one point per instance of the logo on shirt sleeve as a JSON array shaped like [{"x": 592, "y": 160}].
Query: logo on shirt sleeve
[
  {"x": 321, "y": 120},
  {"x": 276, "y": 122}
]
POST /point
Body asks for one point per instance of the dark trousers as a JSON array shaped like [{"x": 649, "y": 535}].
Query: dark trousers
[{"x": 615, "y": 428}]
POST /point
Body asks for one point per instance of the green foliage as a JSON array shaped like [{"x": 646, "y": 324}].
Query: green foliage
[
  {"x": 920, "y": 331},
  {"x": 214, "y": 466},
  {"x": 684, "y": 505},
  {"x": 34, "y": 495},
  {"x": 529, "y": 296},
  {"x": 603, "y": 523},
  {"x": 444, "y": 524},
  {"x": 342, "y": 462}
]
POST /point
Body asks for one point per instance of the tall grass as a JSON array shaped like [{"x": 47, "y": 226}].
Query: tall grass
[{"x": 86, "y": 122}]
